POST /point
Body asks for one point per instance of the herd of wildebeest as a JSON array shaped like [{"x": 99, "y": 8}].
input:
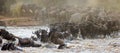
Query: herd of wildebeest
[{"x": 57, "y": 34}]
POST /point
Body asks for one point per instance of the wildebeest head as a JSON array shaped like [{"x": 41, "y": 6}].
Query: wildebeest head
[
  {"x": 37, "y": 33},
  {"x": 6, "y": 35},
  {"x": 3, "y": 32},
  {"x": 11, "y": 37},
  {"x": 43, "y": 32}
]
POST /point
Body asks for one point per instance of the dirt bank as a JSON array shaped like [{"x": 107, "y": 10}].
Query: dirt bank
[{"x": 19, "y": 21}]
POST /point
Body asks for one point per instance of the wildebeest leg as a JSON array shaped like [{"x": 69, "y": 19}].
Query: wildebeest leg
[
  {"x": 4, "y": 47},
  {"x": 92, "y": 36},
  {"x": 62, "y": 46},
  {"x": 104, "y": 36},
  {"x": 36, "y": 45},
  {"x": 13, "y": 47},
  {"x": 75, "y": 36},
  {"x": 83, "y": 35},
  {"x": 1, "y": 41}
]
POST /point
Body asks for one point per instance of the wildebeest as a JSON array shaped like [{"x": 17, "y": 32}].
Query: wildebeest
[
  {"x": 10, "y": 46},
  {"x": 71, "y": 28},
  {"x": 37, "y": 33},
  {"x": 56, "y": 39},
  {"x": 53, "y": 36},
  {"x": 44, "y": 36},
  {"x": 27, "y": 42},
  {"x": 24, "y": 42},
  {"x": 89, "y": 29},
  {"x": 74, "y": 30},
  {"x": 6, "y": 35}
]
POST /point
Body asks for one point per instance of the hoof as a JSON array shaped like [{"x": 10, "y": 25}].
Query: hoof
[{"x": 10, "y": 46}]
